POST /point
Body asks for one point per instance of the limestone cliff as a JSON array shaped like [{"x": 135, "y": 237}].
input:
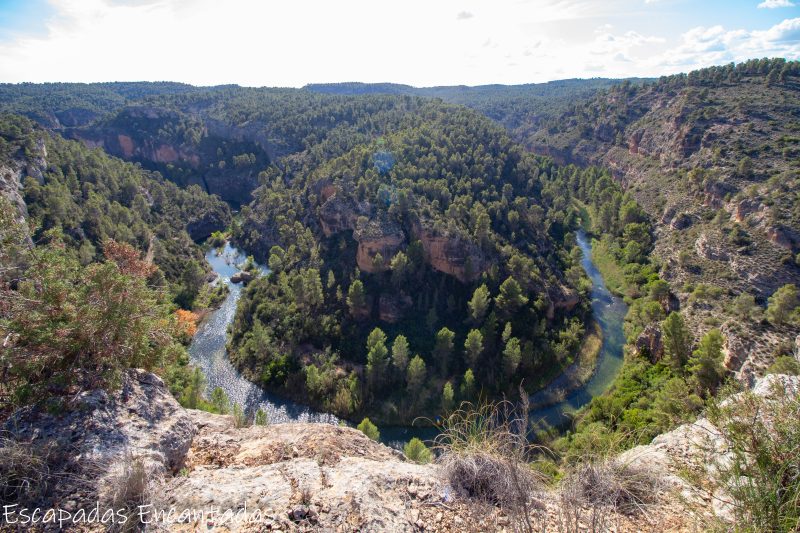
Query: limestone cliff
[
  {"x": 450, "y": 254},
  {"x": 185, "y": 147},
  {"x": 380, "y": 235},
  {"x": 339, "y": 213},
  {"x": 710, "y": 163}
]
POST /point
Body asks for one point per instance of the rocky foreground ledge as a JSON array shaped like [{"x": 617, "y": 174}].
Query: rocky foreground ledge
[{"x": 296, "y": 477}]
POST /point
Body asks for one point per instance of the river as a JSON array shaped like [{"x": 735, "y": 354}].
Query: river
[{"x": 208, "y": 352}]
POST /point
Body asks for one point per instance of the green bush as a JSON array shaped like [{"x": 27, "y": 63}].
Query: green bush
[
  {"x": 416, "y": 450},
  {"x": 785, "y": 364},
  {"x": 760, "y": 472},
  {"x": 369, "y": 429}
]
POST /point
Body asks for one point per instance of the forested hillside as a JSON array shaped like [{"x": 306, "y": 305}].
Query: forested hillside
[
  {"x": 222, "y": 138},
  {"x": 381, "y": 206},
  {"x": 712, "y": 156},
  {"x": 410, "y": 271},
  {"x": 84, "y": 197}
]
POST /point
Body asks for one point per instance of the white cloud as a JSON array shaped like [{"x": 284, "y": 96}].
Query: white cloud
[
  {"x": 772, "y": 4},
  {"x": 294, "y": 42},
  {"x": 715, "y": 45}
]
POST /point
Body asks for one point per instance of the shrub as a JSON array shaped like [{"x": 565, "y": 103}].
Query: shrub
[
  {"x": 240, "y": 418},
  {"x": 783, "y": 305},
  {"x": 262, "y": 418},
  {"x": 369, "y": 429},
  {"x": 785, "y": 364},
  {"x": 65, "y": 324},
  {"x": 220, "y": 402},
  {"x": 760, "y": 472},
  {"x": 416, "y": 450}
]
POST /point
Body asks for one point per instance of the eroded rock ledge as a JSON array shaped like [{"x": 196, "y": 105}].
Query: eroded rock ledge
[{"x": 300, "y": 477}]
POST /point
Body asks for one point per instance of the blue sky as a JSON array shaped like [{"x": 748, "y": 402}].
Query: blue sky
[{"x": 420, "y": 42}]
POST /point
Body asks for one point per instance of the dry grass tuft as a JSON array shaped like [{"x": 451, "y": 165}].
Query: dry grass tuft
[
  {"x": 592, "y": 492},
  {"x": 24, "y": 472},
  {"x": 484, "y": 451},
  {"x": 129, "y": 489}
]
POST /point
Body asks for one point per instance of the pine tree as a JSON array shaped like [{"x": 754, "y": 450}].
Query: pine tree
[
  {"x": 705, "y": 365},
  {"x": 783, "y": 304},
  {"x": 261, "y": 418},
  {"x": 510, "y": 298},
  {"x": 416, "y": 451},
  {"x": 377, "y": 358},
  {"x": 468, "y": 386},
  {"x": 512, "y": 354},
  {"x": 356, "y": 298},
  {"x": 443, "y": 349},
  {"x": 448, "y": 397},
  {"x": 400, "y": 353},
  {"x": 369, "y": 429},
  {"x": 415, "y": 375},
  {"x": 479, "y": 304},
  {"x": 677, "y": 341},
  {"x": 473, "y": 347}
]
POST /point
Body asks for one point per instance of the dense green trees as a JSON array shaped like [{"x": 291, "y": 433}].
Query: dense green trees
[
  {"x": 87, "y": 197},
  {"x": 461, "y": 204}
]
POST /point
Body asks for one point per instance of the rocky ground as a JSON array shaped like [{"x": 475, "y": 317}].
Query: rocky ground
[
  {"x": 317, "y": 477},
  {"x": 300, "y": 477}
]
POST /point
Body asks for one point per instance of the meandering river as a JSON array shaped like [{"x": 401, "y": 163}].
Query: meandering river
[{"x": 208, "y": 352}]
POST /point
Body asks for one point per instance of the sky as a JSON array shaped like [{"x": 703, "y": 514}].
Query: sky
[{"x": 289, "y": 43}]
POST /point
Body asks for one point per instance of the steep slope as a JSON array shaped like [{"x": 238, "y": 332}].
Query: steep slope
[
  {"x": 221, "y": 138},
  {"x": 224, "y": 139},
  {"x": 87, "y": 197},
  {"x": 712, "y": 157}
]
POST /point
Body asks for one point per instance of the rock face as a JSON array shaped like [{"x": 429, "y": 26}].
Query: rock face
[
  {"x": 145, "y": 133},
  {"x": 709, "y": 250},
  {"x": 303, "y": 476},
  {"x": 202, "y": 227},
  {"x": 783, "y": 237},
  {"x": 378, "y": 236},
  {"x": 242, "y": 277},
  {"x": 102, "y": 432},
  {"x": 11, "y": 188},
  {"x": 682, "y": 221},
  {"x": 700, "y": 444},
  {"x": 745, "y": 208},
  {"x": 14, "y": 171},
  {"x": 288, "y": 477},
  {"x": 649, "y": 343},
  {"x": 338, "y": 214},
  {"x": 450, "y": 254}
]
